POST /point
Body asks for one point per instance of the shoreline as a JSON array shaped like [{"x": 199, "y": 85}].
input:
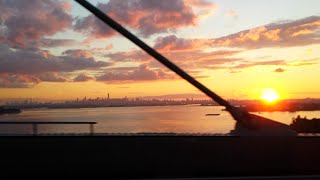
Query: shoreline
[
  {"x": 120, "y": 106},
  {"x": 155, "y": 105}
]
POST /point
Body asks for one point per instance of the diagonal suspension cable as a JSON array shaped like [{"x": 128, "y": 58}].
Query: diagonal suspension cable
[{"x": 237, "y": 114}]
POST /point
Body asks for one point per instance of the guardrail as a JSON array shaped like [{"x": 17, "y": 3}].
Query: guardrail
[{"x": 35, "y": 124}]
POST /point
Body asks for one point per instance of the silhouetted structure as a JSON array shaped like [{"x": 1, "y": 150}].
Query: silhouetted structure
[
  {"x": 107, "y": 102},
  {"x": 304, "y": 125},
  {"x": 4, "y": 110}
]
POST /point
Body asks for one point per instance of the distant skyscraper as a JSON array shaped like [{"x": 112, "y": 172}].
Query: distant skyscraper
[{"x": 108, "y": 96}]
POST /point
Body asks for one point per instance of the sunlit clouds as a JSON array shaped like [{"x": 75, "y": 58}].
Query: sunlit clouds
[
  {"x": 147, "y": 17},
  {"x": 291, "y": 33},
  {"x": 45, "y": 44}
]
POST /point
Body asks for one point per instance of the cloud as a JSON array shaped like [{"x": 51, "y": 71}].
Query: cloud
[
  {"x": 78, "y": 53},
  {"x": 305, "y": 62},
  {"x": 11, "y": 80},
  {"x": 52, "y": 77},
  {"x": 141, "y": 73},
  {"x": 234, "y": 72},
  {"x": 190, "y": 60},
  {"x": 216, "y": 63},
  {"x": 93, "y": 27},
  {"x": 134, "y": 56},
  {"x": 192, "y": 56},
  {"x": 273, "y": 63},
  {"x": 8, "y": 80},
  {"x": 279, "y": 70},
  {"x": 26, "y": 61},
  {"x": 24, "y": 22},
  {"x": 87, "y": 52},
  {"x": 122, "y": 68},
  {"x": 187, "y": 56},
  {"x": 83, "y": 77},
  {"x": 263, "y": 63},
  {"x": 148, "y": 17},
  {"x": 107, "y": 47},
  {"x": 200, "y": 76},
  {"x": 290, "y": 33},
  {"x": 49, "y": 43},
  {"x": 173, "y": 43}
]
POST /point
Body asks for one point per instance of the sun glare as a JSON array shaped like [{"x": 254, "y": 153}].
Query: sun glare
[{"x": 269, "y": 95}]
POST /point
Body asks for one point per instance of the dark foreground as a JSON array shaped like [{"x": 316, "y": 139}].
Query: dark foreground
[{"x": 160, "y": 156}]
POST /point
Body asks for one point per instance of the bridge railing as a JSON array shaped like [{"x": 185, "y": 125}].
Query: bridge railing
[{"x": 35, "y": 124}]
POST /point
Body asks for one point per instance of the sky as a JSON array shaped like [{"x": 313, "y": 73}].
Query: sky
[{"x": 57, "y": 50}]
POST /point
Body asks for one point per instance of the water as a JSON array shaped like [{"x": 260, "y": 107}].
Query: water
[{"x": 160, "y": 119}]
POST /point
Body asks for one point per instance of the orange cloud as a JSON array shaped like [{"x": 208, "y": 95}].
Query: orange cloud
[
  {"x": 52, "y": 77},
  {"x": 261, "y": 63},
  {"x": 83, "y": 77},
  {"x": 147, "y": 17},
  {"x": 279, "y": 70},
  {"x": 133, "y": 56},
  {"x": 305, "y": 62},
  {"x": 13, "y": 80},
  {"x": 8, "y": 80},
  {"x": 141, "y": 73},
  {"x": 293, "y": 33},
  {"x": 302, "y": 32},
  {"x": 173, "y": 43}
]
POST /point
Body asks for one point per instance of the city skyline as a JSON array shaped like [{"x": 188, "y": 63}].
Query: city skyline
[
  {"x": 236, "y": 49},
  {"x": 264, "y": 105},
  {"x": 173, "y": 97}
]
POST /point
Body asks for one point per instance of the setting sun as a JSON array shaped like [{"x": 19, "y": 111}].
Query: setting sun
[{"x": 269, "y": 95}]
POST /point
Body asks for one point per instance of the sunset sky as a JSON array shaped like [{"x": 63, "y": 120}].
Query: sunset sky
[{"x": 57, "y": 50}]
